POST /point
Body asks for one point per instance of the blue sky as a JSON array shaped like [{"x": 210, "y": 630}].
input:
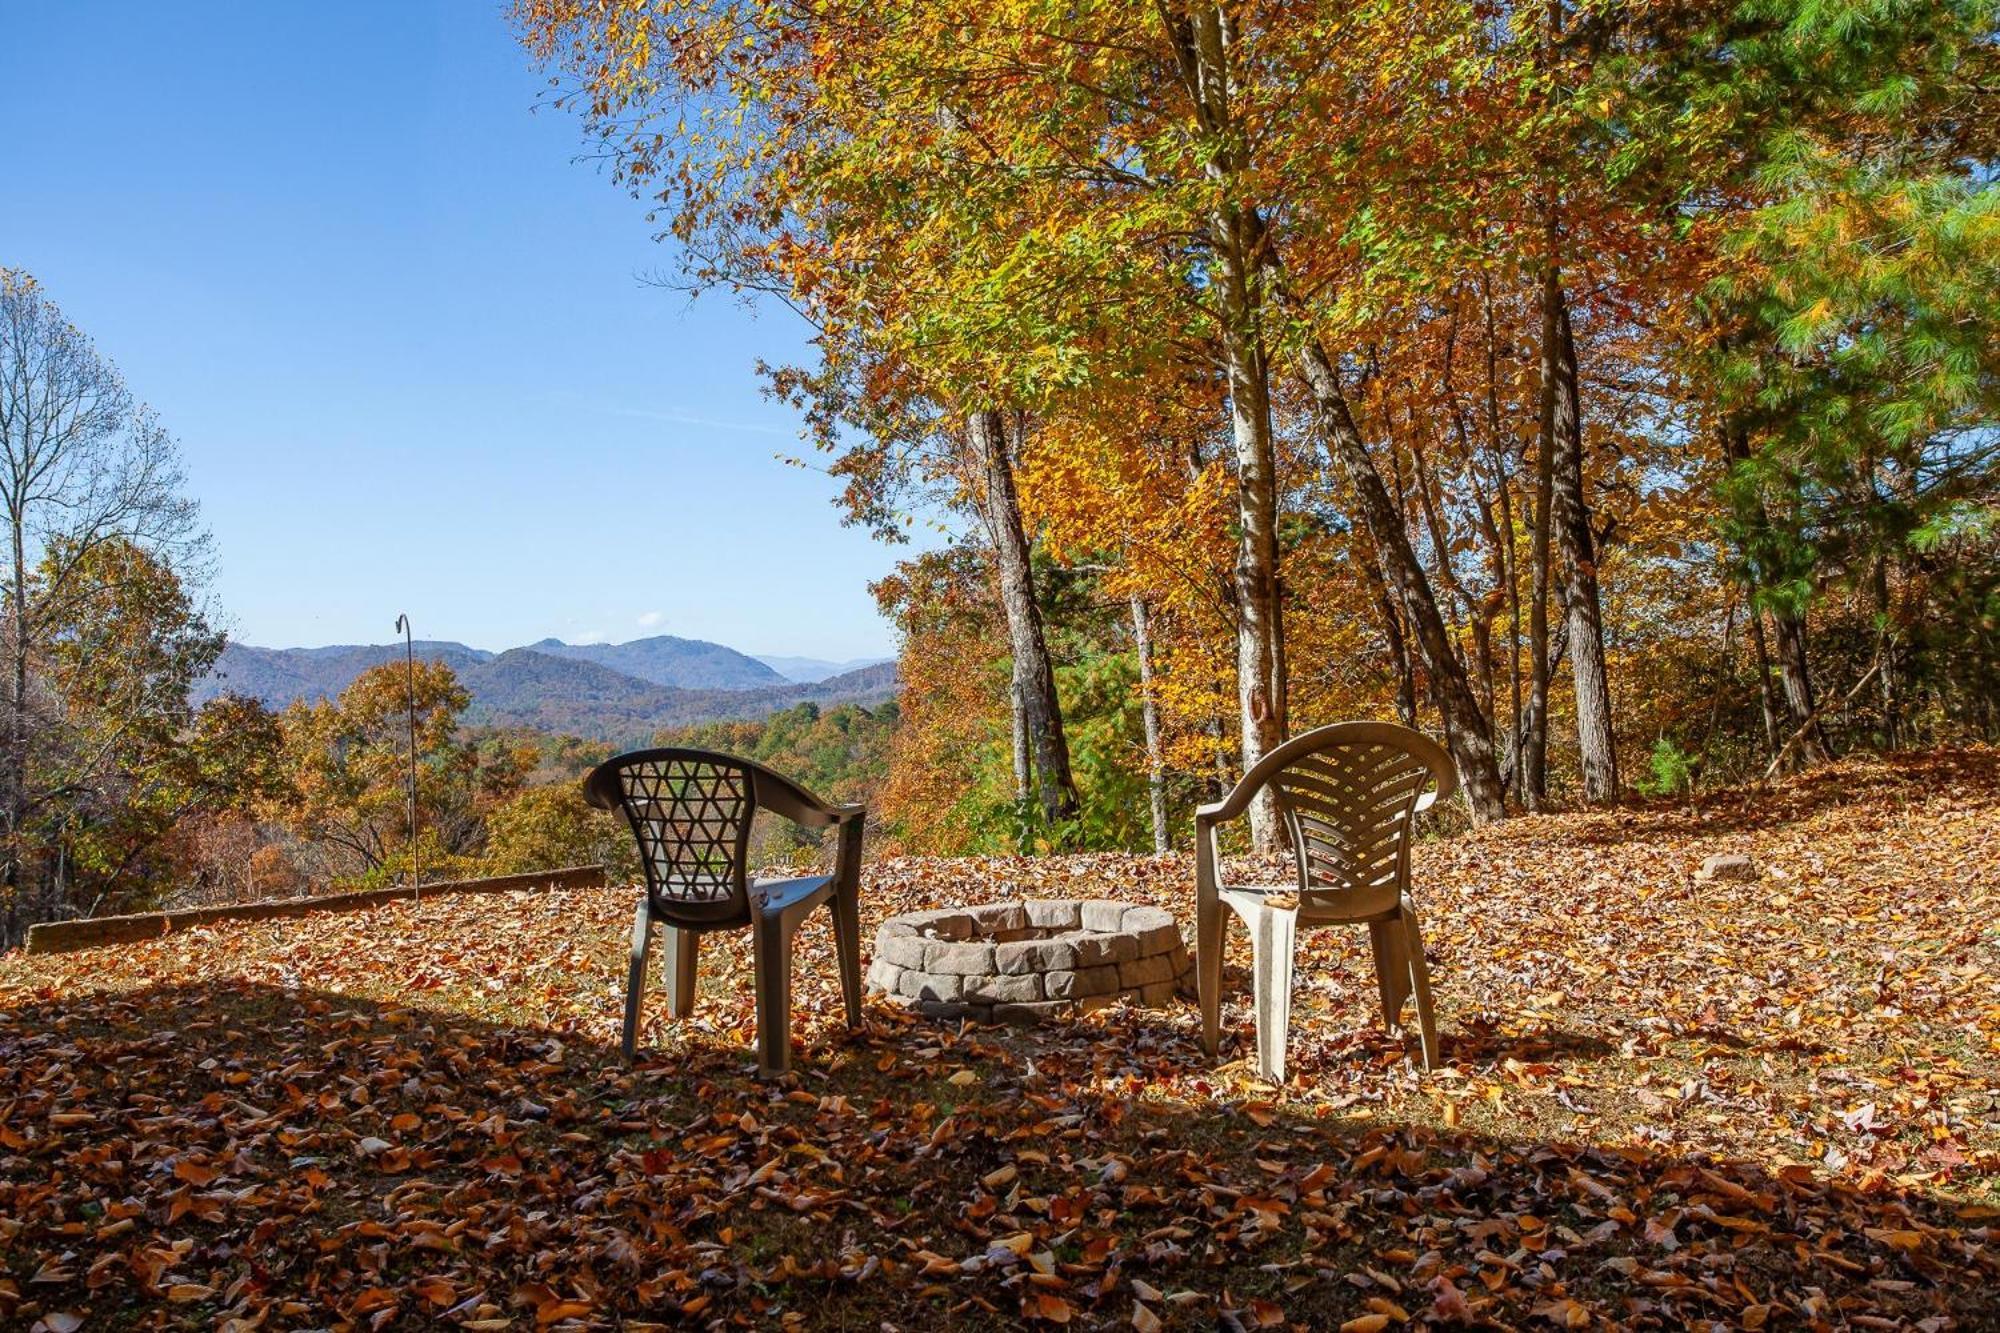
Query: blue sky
[{"x": 405, "y": 338}]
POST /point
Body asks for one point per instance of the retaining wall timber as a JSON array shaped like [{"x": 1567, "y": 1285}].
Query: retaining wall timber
[{"x": 64, "y": 936}]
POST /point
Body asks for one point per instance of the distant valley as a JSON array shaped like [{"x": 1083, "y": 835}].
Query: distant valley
[{"x": 619, "y": 692}]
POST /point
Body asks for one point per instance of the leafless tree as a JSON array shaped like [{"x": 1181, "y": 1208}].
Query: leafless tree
[{"x": 82, "y": 465}]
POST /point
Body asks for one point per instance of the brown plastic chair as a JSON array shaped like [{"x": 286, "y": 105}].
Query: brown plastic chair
[
  {"x": 691, "y": 812},
  {"x": 1349, "y": 794}
]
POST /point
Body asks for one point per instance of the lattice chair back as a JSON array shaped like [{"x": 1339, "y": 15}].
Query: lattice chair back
[
  {"x": 1349, "y": 794},
  {"x": 691, "y": 812}
]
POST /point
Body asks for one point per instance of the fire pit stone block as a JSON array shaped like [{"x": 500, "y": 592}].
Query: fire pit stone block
[{"x": 1030, "y": 960}]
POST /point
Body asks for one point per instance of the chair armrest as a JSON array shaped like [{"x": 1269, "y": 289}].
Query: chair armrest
[
  {"x": 600, "y": 786},
  {"x": 1246, "y": 789},
  {"x": 781, "y": 796},
  {"x": 1207, "y": 856}
]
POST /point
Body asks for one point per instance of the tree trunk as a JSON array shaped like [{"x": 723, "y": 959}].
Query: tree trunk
[
  {"x": 1149, "y": 715},
  {"x": 1510, "y": 557},
  {"x": 1892, "y": 730},
  {"x": 1218, "y": 779},
  {"x": 12, "y": 884},
  {"x": 1469, "y": 735},
  {"x": 1549, "y": 407},
  {"x": 1392, "y": 634},
  {"x": 1259, "y": 613},
  {"x": 1017, "y": 717},
  {"x": 1203, "y": 43},
  {"x": 1766, "y": 701},
  {"x": 1535, "y": 741},
  {"x": 1812, "y": 719},
  {"x": 1034, "y": 674},
  {"x": 1570, "y": 519},
  {"x": 1795, "y": 675}
]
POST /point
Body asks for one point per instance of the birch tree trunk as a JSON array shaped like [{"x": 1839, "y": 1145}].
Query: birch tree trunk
[
  {"x": 1236, "y": 236},
  {"x": 1259, "y": 613},
  {"x": 1149, "y": 715},
  {"x": 1017, "y": 717}
]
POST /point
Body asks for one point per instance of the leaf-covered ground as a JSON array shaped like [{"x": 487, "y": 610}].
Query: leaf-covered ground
[{"x": 1667, "y": 1104}]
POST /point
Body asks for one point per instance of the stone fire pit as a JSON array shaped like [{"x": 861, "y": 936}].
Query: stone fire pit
[{"x": 1030, "y": 960}]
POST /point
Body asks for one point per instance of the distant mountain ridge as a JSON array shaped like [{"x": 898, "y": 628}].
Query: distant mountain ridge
[
  {"x": 815, "y": 668},
  {"x": 619, "y": 692},
  {"x": 689, "y": 664},
  {"x": 277, "y": 676},
  {"x": 525, "y": 688}
]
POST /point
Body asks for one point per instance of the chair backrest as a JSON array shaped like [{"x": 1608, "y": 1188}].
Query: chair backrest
[
  {"x": 691, "y": 812},
  {"x": 1349, "y": 794}
]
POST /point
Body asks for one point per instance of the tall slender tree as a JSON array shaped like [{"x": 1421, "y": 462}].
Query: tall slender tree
[{"x": 83, "y": 468}]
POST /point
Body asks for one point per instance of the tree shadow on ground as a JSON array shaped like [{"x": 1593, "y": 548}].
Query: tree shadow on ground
[
  {"x": 1347, "y": 997},
  {"x": 228, "y": 1150},
  {"x": 1483, "y": 1043}
]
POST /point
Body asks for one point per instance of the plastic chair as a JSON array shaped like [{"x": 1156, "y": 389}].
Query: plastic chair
[
  {"x": 1349, "y": 794},
  {"x": 691, "y": 812}
]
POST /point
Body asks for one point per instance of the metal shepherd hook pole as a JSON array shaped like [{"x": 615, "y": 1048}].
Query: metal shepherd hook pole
[{"x": 410, "y": 688}]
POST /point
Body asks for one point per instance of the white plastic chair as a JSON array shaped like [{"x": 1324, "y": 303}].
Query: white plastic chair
[{"x": 1349, "y": 794}]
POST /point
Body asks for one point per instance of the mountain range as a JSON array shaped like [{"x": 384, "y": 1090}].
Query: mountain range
[
  {"x": 815, "y": 668},
  {"x": 620, "y": 692}
]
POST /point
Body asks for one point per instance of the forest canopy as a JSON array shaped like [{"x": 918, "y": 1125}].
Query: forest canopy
[{"x": 1608, "y": 389}]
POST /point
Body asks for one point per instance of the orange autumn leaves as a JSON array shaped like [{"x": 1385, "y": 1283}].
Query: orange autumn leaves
[{"x": 1764, "y": 1101}]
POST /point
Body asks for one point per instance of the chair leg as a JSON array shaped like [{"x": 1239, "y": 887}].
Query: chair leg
[
  {"x": 1420, "y": 982},
  {"x": 635, "y": 982},
  {"x": 683, "y": 947},
  {"x": 1274, "y": 934},
  {"x": 1392, "y": 969},
  {"x": 1210, "y": 927},
  {"x": 771, "y": 947},
  {"x": 847, "y": 947}
]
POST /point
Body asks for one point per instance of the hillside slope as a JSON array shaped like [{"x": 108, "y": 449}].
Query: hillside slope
[
  {"x": 277, "y": 676},
  {"x": 524, "y": 687},
  {"x": 689, "y": 664}
]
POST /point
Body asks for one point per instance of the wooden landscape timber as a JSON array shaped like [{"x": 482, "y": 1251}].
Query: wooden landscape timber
[{"x": 89, "y": 932}]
